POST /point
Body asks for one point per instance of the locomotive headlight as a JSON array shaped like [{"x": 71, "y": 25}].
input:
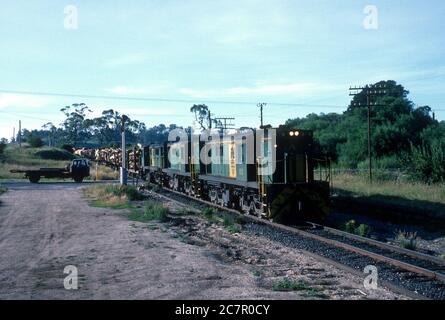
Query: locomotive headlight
[
  {"x": 276, "y": 146},
  {"x": 296, "y": 133},
  {"x": 291, "y": 133}
]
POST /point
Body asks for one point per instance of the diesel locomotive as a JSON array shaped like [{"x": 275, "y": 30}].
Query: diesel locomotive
[{"x": 271, "y": 173}]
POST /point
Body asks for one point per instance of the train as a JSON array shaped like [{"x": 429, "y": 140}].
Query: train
[{"x": 272, "y": 173}]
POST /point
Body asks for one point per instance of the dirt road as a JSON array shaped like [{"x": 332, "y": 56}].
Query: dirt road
[{"x": 46, "y": 227}]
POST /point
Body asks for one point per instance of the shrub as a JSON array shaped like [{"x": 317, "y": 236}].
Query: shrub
[
  {"x": 35, "y": 141},
  {"x": 54, "y": 154},
  {"x": 2, "y": 147},
  {"x": 407, "y": 240},
  {"x": 427, "y": 162}
]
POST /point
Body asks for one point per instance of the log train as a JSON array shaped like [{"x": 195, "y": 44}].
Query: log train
[{"x": 236, "y": 174}]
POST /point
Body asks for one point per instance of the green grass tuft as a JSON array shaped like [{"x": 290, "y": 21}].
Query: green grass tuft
[
  {"x": 407, "y": 240},
  {"x": 230, "y": 224},
  {"x": 130, "y": 192},
  {"x": 362, "y": 230},
  {"x": 290, "y": 285},
  {"x": 152, "y": 211}
]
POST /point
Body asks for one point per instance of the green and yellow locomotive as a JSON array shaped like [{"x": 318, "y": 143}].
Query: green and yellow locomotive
[{"x": 270, "y": 173}]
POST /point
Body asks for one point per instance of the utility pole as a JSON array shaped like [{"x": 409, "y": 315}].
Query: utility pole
[
  {"x": 226, "y": 123},
  {"x": 20, "y": 134},
  {"x": 123, "y": 173},
  {"x": 210, "y": 121},
  {"x": 261, "y": 106},
  {"x": 369, "y": 91}
]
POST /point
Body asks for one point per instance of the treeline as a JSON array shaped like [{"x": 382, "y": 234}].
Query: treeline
[
  {"x": 78, "y": 130},
  {"x": 403, "y": 136}
]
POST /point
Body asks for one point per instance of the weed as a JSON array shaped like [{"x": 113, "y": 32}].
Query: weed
[
  {"x": 407, "y": 240},
  {"x": 290, "y": 285},
  {"x": 350, "y": 226},
  {"x": 152, "y": 211},
  {"x": 230, "y": 225},
  {"x": 363, "y": 230},
  {"x": 256, "y": 273},
  {"x": 130, "y": 192},
  {"x": 208, "y": 212}
]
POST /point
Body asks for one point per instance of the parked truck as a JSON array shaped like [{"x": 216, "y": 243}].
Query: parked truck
[{"x": 78, "y": 169}]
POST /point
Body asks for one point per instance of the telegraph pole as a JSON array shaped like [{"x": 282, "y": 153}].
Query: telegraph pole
[
  {"x": 123, "y": 173},
  {"x": 20, "y": 133},
  {"x": 226, "y": 123},
  {"x": 261, "y": 106},
  {"x": 369, "y": 91}
]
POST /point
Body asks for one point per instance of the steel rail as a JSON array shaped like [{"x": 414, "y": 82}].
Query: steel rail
[{"x": 377, "y": 257}]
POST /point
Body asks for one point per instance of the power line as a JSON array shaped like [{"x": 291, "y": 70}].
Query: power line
[{"x": 157, "y": 99}]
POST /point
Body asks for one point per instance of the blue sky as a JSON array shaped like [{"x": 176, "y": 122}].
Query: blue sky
[{"x": 306, "y": 53}]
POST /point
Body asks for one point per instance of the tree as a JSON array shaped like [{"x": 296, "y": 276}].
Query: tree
[
  {"x": 35, "y": 141},
  {"x": 202, "y": 115},
  {"x": 75, "y": 128},
  {"x": 396, "y": 125},
  {"x": 2, "y": 146}
]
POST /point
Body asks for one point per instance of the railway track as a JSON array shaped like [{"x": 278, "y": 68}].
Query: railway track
[{"x": 415, "y": 274}]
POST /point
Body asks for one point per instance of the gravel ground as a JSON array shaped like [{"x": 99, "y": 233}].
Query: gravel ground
[{"x": 45, "y": 227}]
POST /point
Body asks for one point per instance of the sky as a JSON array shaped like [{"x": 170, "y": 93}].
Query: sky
[{"x": 154, "y": 59}]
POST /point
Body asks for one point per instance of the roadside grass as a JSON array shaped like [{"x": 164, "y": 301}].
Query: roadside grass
[
  {"x": 359, "y": 185},
  {"x": 291, "y": 285},
  {"x": 112, "y": 196},
  {"x": 103, "y": 173},
  {"x": 407, "y": 240},
  {"x": 121, "y": 197},
  {"x": 151, "y": 211}
]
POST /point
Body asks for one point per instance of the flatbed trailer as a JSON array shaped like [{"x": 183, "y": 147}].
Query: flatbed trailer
[{"x": 78, "y": 169}]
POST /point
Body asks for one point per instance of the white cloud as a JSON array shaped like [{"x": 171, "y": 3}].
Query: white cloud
[{"x": 19, "y": 100}]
